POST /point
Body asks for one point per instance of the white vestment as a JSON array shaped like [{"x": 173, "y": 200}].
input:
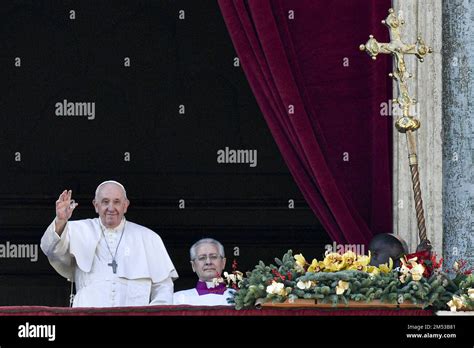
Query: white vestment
[
  {"x": 144, "y": 275},
  {"x": 192, "y": 297}
]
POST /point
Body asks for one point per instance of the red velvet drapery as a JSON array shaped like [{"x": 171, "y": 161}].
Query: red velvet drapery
[{"x": 321, "y": 99}]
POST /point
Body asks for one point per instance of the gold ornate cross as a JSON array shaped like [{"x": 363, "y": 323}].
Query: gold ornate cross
[{"x": 406, "y": 123}]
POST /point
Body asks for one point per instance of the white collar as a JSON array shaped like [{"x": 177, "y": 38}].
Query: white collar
[
  {"x": 116, "y": 229},
  {"x": 210, "y": 285}
]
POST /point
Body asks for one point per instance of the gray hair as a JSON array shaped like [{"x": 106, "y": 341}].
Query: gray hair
[
  {"x": 193, "y": 249},
  {"x": 110, "y": 182}
]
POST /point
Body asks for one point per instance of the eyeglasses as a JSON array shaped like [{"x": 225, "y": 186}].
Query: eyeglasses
[{"x": 203, "y": 258}]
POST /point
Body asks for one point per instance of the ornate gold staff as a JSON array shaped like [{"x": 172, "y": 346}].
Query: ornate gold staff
[{"x": 405, "y": 124}]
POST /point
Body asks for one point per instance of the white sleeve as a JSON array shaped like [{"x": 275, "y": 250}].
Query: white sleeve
[
  {"x": 56, "y": 248},
  {"x": 178, "y": 298},
  {"x": 162, "y": 292}
]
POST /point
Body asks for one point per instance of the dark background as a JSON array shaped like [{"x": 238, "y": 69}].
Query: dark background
[{"x": 172, "y": 156}]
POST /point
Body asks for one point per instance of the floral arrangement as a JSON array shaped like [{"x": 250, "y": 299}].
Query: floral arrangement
[
  {"x": 230, "y": 280},
  {"x": 340, "y": 278},
  {"x": 233, "y": 279},
  {"x": 464, "y": 279}
]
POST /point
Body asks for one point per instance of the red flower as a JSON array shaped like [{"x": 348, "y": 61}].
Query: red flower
[
  {"x": 436, "y": 264},
  {"x": 234, "y": 265},
  {"x": 277, "y": 275},
  {"x": 459, "y": 267},
  {"x": 426, "y": 259}
]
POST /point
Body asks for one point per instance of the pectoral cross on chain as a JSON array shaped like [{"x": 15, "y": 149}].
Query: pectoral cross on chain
[
  {"x": 114, "y": 265},
  {"x": 406, "y": 123}
]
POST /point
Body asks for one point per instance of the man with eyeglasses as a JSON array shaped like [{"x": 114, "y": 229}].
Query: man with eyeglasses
[{"x": 208, "y": 262}]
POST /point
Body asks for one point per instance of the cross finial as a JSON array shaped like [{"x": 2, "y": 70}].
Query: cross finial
[{"x": 397, "y": 48}]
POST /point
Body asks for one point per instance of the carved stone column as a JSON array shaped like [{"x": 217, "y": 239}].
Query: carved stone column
[{"x": 458, "y": 131}]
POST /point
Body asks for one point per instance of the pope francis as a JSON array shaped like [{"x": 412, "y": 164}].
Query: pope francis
[{"x": 114, "y": 262}]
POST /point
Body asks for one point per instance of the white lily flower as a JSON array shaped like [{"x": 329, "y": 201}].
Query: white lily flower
[
  {"x": 304, "y": 285},
  {"x": 417, "y": 271},
  {"x": 456, "y": 266},
  {"x": 275, "y": 288},
  {"x": 341, "y": 287},
  {"x": 470, "y": 292},
  {"x": 455, "y": 304}
]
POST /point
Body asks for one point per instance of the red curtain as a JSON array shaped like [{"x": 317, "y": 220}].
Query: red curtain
[{"x": 321, "y": 98}]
